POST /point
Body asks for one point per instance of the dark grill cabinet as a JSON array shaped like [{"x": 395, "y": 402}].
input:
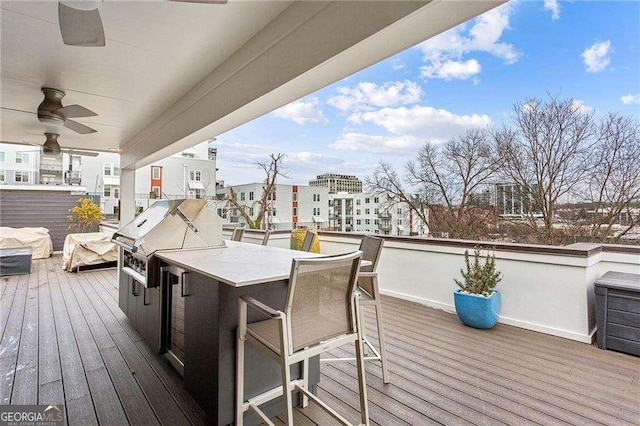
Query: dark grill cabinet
[
  {"x": 618, "y": 312},
  {"x": 15, "y": 261}
]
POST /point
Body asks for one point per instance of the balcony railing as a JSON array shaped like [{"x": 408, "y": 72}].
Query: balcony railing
[{"x": 548, "y": 289}]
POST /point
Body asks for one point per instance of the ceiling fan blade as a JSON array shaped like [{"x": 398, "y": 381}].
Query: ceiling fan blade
[
  {"x": 78, "y": 128},
  {"x": 80, "y": 27},
  {"x": 75, "y": 111},
  {"x": 76, "y": 152}
]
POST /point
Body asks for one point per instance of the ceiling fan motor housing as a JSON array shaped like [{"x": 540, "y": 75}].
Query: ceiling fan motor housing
[
  {"x": 51, "y": 145},
  {"x": 52, "y": 101}
]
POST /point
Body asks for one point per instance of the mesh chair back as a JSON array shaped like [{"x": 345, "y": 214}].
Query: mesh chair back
[
  {"x": 371, "y": 248},
  {"x": 307, "y": 243},
  {"x": 265, "y": 239},
  {"x": 237, "y": 234},
  {"x": 320, "y": 299}
]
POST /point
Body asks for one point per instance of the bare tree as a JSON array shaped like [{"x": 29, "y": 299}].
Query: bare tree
[
  {"x": 441, "y": 182},
  {"x": 545, "y": 151},
  {"x": 613, "y": 188},
  {"x": 272, "y": 169}
]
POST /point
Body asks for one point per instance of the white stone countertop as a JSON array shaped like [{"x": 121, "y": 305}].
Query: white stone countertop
[{"x": 237, "y": 264}]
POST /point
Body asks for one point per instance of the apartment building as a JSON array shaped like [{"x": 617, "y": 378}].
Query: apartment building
[
  {"x": 289, "y": 206},
  {"x": 337, "y": 183},
  {"x": 373, "y": 214},
  {"x": 188, "y": 174}
]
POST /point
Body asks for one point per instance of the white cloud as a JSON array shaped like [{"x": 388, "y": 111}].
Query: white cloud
[
  {"x": 308, "y": 157},
  {"x": 483, "y": 35},
  {"x": 377, "y": 144},
  {"x": 427, "y": 123},
  {"x": 367, "y": 95},
  {"x": 304, "y": 111},
  {"x": 596, "y": 57},
  {"x": 554, "y": 7},
  {"x": 631, "y": 99},
  {"x": 581, "y": 107},
  {"x": 451, "y": 70},
  {"x": 397, "y": 64}
]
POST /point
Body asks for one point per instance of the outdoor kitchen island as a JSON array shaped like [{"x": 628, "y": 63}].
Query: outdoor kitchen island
[{"x": 201, "y": 288}]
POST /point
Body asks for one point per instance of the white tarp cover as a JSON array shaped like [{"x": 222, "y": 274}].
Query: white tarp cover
[
  {"x": 92, "y": 248},
  {"x": 37, "y": 238}
]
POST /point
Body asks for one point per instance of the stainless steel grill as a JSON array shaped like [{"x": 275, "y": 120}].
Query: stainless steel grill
[{"x": 166, "y": 225}]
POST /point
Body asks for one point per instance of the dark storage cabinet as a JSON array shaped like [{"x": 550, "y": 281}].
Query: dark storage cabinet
[
  {"x": 15, "y": 261},
  {"x": 618, "y": 312}
]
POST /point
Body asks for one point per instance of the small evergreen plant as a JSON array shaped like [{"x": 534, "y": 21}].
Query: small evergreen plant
[{"x": 479, "y": 279}]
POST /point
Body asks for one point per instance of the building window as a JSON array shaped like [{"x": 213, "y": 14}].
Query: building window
[
  {"x": 358, "y": 212},
  {"x": 1, "y": 156},
  {"x": 111, "y": 191},
  {"x": 367, "y": 222},
  {"x": 316, "y": 197},
  {"x": 399, "y": 211},
  {"x": 156, "y": 190},
  {"x": 195, "y": 175},
  {"x": 251, "y": 212},
  {"x": 295, "y": 211},
  {"x": 251, "y": 196},
  {"x": 376, "y": 199},
  {"x": 107, "y": 169},
  {"x": 22, "y": 158},
  {"x": 116, "y": 170},
  {"x": 242, "y": 196},
  {"x": 358, "y": 222},
  {"x": 367, "y": 211},
  {"x": 22, "y": 177},
  {"x": 376, "y": 221},
  {"x": 358, "y": 202},
  {"x": 367, "y": 200},
  {"x": 399, "y": 221},
  {"x": 295, "y": 197},
  {"x": 155, "y": 172},
  {"x": 2, "y": 176}
]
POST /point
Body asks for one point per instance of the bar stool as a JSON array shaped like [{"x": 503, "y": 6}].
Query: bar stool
[
  {"x": 320, "y": 314},
  {"x": 371, "y": 248}
]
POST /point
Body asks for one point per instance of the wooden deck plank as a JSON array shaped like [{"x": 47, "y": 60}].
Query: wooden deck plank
[
  {"x": 131, "y": 397},
  {"x": 25, "y": 389},
  {"x": 104, "y": 398},
  {"x": 510, "y": 366},
  {"x": 441, "y": 371}
]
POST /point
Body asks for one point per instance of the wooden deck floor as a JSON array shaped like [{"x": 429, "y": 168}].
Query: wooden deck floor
[{"x": 64, "y": 340}]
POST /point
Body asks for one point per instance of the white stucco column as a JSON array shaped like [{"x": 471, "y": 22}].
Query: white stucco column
[{"x": 127, "y": 195}]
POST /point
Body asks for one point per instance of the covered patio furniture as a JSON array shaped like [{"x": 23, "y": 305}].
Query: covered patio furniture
[
  {"x": 37, "y": 238},
  {"x": 88, "y": 249}
]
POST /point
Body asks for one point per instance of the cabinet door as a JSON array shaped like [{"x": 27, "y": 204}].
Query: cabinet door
[
  {"x": 201, "y": 340},
  {"x": 150, "y": 329},
  {"x": 134, "y": 301}
]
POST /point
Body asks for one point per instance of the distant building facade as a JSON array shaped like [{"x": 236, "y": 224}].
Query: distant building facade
[
  {"x": 338, "y": 183},
  {"x": 188, "y": 174},
  {"x": 289, "y": 207}
]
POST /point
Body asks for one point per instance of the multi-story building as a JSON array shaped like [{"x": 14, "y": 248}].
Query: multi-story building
[
  {"x": 338, "y": 183},
  {"x": 373, "y": 214},
  {"x": 289, "y": 207},
  {"x": 188, "y": 174},
  {"x": 514, "y": 201}
]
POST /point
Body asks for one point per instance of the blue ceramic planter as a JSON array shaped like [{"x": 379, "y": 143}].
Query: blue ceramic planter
[{"x": 477, "y": 311}]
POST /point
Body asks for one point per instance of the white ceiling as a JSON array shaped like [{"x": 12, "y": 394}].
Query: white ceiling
[
  {"x": 173, "y": 74},
  {"x": 155, "y": 52}
]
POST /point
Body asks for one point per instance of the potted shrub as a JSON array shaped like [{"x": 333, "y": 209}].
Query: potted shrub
[{"x": 477, "y": 303}]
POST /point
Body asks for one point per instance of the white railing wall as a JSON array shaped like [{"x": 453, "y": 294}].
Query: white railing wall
[{"x": 545, "y": 289}]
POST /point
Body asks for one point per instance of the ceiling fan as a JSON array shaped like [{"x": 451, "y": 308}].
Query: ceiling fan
[
  {"x": 81, "y": 25},
  {"x": 51, "y": 111},
  {"x": 52, "y": 147}
]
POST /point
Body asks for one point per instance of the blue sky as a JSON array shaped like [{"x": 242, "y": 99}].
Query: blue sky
[{"x": 469, "y": 76}]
